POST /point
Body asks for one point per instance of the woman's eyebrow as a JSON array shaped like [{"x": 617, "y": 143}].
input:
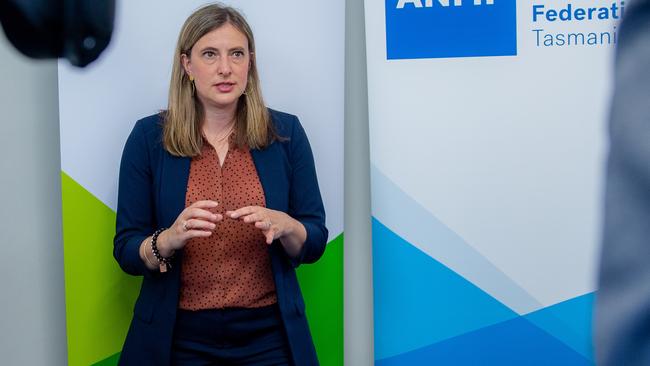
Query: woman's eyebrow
[{"x": 210, "y": 48}]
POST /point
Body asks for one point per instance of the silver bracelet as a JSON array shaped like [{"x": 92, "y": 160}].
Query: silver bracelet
[{"x": 146, "y": 257}]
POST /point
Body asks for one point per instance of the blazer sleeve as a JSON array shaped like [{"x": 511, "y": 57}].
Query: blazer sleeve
[
  {"x": 135, "y": 213},
  {"x": 305, "y": 202}
]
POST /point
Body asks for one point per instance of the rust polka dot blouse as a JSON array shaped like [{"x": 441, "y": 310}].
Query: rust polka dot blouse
[{"x": 232, "y": 267}]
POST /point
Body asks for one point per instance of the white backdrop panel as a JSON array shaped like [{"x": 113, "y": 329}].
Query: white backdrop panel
[
  {"x": 506, "y": 151},
  {"x": 301, "y": 68}
]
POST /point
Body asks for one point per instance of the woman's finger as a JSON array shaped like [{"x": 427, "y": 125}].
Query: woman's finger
[
  {"x": 242, "y": 211},
  {"x": 198, "y": 234},
  {"x": 198, "y": 213},
  {"x": 263, "y": 224},
  {"x": 270, "y": 236},
  {"x": 198, "y": 224},
  {"x": 255, "y": 217}
]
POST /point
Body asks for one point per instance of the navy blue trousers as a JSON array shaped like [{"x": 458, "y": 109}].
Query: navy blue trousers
[{"x": 230, "y": 337}]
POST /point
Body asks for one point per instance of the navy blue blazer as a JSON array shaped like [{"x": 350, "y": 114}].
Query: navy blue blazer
[{"x": 152, "y": 187}]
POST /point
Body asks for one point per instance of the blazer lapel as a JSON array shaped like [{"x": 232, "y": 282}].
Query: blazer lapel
[
  {"x": 273, "y": 175},
  {"x": 175, "y": 175}
]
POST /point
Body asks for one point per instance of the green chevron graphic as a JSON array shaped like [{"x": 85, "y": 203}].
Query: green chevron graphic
[
  {"x": 322, "y": 287},
  {"x": 111, "y": 361},
  {"x": 100, "y": 297}
]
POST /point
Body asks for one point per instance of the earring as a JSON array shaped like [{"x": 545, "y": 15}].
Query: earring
[{"x": 192, "y": 83}]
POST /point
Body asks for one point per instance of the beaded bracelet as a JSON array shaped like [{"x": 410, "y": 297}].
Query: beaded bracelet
[{"x": 164, "y": 263}]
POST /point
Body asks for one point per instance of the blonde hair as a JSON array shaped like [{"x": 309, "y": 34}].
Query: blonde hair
[{"x": 182, "y": 120}]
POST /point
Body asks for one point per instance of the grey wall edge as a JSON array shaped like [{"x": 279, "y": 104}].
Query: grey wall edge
[
  {"x": 31, "y": 260},
  {"x": 358, "y": 305}
]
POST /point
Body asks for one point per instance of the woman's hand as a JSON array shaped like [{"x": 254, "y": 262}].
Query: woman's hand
[
  {"x": 196, "y": 221},
  {"x": 274, "y": 225}
]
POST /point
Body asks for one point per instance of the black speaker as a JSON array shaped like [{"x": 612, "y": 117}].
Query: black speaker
[{"x": 78, "y": 30}]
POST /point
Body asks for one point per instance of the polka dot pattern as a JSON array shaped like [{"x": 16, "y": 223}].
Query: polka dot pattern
[{"x": 232, "y": 267}]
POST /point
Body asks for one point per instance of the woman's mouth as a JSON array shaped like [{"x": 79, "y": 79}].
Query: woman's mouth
[{"x": 225, "y": 87}]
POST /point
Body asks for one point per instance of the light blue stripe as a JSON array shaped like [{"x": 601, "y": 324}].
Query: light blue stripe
[{"x": 406, "y": 217}]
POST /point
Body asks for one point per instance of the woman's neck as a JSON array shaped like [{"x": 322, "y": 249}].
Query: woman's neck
[{"x": 218, "y": 122}]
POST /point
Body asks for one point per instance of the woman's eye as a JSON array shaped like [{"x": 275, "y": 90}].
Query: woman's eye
[
  {"x": 238, "y": 54},
  {"x": 208, "y": 54}
]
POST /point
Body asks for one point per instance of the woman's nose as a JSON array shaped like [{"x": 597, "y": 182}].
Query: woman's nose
[{"x": 223, "y": 66}]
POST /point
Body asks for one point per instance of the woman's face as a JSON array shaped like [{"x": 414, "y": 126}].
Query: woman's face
[{"x": 219, "y": 63}]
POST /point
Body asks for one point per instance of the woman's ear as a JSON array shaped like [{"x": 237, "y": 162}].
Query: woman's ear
[{"x": 187, "y": 64}]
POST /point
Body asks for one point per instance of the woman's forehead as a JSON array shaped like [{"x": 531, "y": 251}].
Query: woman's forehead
[{"x": 226, "y": 36}]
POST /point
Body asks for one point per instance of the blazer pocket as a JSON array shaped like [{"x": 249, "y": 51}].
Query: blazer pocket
[
  {"x": 150, "y": 294},
  {"x": 143, "y": 309},
  {"x": 293, "y": 291}
]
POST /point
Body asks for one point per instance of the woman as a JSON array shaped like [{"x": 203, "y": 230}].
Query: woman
[{"x": 218, "y": 203}]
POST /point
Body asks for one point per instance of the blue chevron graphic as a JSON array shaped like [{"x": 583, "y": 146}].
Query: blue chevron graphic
[
  {"x": 419, "y": 301},
  {"x": 426, "y": 313},
  {"x": 511, "y": 343}
]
